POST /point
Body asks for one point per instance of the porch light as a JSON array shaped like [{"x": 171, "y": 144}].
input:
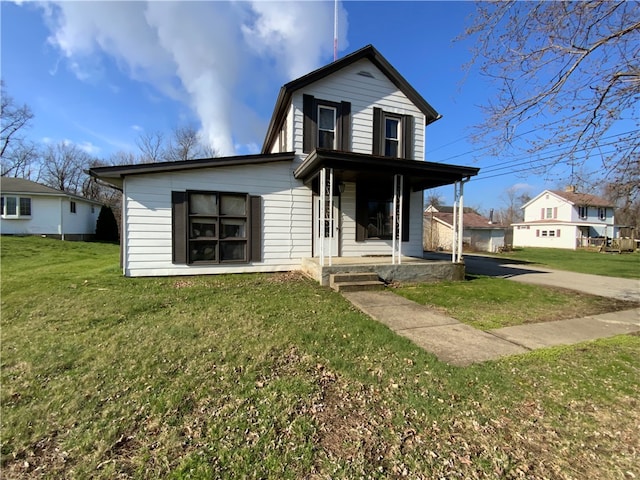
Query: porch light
[{"x": 341, "y": 187}]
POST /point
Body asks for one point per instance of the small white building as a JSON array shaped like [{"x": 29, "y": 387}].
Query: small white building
[
  {"x": 29, "y": 208},
  {"x": 557, "y": 219},
  {"x": 341, "y": 174}
]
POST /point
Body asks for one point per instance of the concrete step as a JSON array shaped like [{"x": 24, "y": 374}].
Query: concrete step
[
  {"x": 355, "y": 282},
  {"x": 353, "y": 277}
]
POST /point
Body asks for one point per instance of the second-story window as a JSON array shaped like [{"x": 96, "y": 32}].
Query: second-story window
[
  {"x": 602, "y": 213},
  {"x": 582, "y": 211},
  {"x": 327, "y": 127},
  {"x": 391, "y": 136}
]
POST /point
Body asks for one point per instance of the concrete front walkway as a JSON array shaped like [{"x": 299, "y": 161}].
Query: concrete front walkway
[{"x": 459, "y": 344}]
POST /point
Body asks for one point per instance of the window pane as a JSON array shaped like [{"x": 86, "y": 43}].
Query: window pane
[
  {"x": 233, "y": 228},
  {"x": 379, "y": 224},
  {"x": 25, "y": 206},
  {"x": 230, "y": 251},
  {"x": 11, "y": 205},
  {"x": 391, "y": 128},
  {"x": 391, "y": 148},
  {"x": 233, "y": 205},
  {"x": 203, "y": 228},
  {"x": 203, "y": 204},
  {"x": 326, "y": 118},
  {"x": 203, "y": 252},
  {"x": 325, "y": 139}
]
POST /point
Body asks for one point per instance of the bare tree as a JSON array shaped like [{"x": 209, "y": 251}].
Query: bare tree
[
  {"x": 568, "y": 83},
  {"x": 17, "y": 154},
  {"x": 513, "y": 199},
  {"x": 63, "y": 167},
  {"x": 152, "y": 147},
  {"x": 186, "y": 144}
]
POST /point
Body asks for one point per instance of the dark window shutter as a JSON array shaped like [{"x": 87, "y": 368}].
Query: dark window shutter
[
  {"x": 537, "y": 232},
  {"x": 179, "y": 217},
  {"x": 345, "y": 127},
  {"x": 558, "y": 233},
  {"x": 255, "y": 248},
  {"x": 542, "y": 213},
  {"x": 361, "y": 213},
  {"x": 555, "y": 212},
  {"x": 378, "y": 138},
  {"x": 407, "y": 136},
  {"x": 309, "y": 124}
]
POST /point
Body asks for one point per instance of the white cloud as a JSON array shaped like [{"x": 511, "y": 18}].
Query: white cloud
[
  {"x": 88, "y": 147},
  {"x": 209, "y": 55}
]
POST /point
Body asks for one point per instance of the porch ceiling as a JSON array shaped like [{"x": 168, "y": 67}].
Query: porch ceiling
[{"x": 351, "y": 167}]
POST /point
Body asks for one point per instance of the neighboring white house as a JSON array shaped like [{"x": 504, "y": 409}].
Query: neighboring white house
[
  {"x": 568, "y": 219},
  {"x": 345, "y": 145},
  {"x": 29, "y": 208},
  {"x": 479, "y": 233}
]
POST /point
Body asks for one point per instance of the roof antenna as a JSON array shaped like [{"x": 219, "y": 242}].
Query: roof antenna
[{"x": 335, "y": 30}]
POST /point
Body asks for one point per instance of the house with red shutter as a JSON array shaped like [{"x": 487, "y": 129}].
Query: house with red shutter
[
  {"x": 338, "y": 184},
  {"x": 564, "y": 219}
]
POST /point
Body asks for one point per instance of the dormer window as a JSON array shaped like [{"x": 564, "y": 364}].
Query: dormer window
[{"x": 327, "y": 127}]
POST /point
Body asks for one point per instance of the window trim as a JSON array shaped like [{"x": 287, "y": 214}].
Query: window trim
[
  {"x": 399, "y": 132},
  {"x": 18, "y": 207},
  {"x": 583, "y": 211},
  {"x": 335, "y": 125}
]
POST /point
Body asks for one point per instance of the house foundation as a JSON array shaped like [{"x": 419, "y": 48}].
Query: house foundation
[{"x": 411, "y": 269}]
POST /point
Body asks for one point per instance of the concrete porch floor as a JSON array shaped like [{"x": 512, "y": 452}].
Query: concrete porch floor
[{"x": 411, "y": 269}]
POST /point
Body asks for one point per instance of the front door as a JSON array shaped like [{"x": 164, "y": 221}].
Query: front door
[{"x": 331, "y": 230}]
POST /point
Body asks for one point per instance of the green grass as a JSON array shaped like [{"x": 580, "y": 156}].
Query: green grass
[
  {"x": 625, "y": 265},
  {"x": 272, "y": 376},
  {"x": 487, "y": 303}
]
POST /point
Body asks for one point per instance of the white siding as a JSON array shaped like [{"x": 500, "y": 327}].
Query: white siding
[
  {"x": 286, "y": 217},
  {"x": 364, "y": 93},
  {"x": 47, "y": 213},
  {"x": 532, "y": 236}
]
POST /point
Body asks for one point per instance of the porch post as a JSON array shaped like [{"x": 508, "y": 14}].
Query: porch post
[
  {"x": 321, "y": 213},
  {"x": 396, "y": 245},
  {"x": 454, "y": 237},
  {"x": 460, "y": 220},
  {"x": 325, "y": 216}
]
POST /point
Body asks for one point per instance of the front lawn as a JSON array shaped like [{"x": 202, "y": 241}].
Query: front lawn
[
  {"x": 273, "y": 376},
  {"x": 487, "y": 302},
  {"x": 623, "y": 265}
]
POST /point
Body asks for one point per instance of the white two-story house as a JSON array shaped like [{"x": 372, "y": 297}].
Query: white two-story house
[
  {"x": 341, "y": 174},
  {"x": 564, "y": 219}
]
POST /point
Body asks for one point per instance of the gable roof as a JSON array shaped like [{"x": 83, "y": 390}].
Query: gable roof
[
  {"x": 369, "y": 52},
  {"x": 583, "y": 199},
  {"x": 574, "y": 198},
  {"x": 22, "y": 186},
  {"x": 114, "y": 175}
]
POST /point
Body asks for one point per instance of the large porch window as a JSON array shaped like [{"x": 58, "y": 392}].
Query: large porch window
[{"x": 374, "y": 212}]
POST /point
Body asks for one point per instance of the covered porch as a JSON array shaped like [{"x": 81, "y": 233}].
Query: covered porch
[{"x": 368, "y": 215}]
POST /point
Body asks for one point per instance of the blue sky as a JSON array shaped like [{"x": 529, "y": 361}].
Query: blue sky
[{"x": 100, "y": 73}]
